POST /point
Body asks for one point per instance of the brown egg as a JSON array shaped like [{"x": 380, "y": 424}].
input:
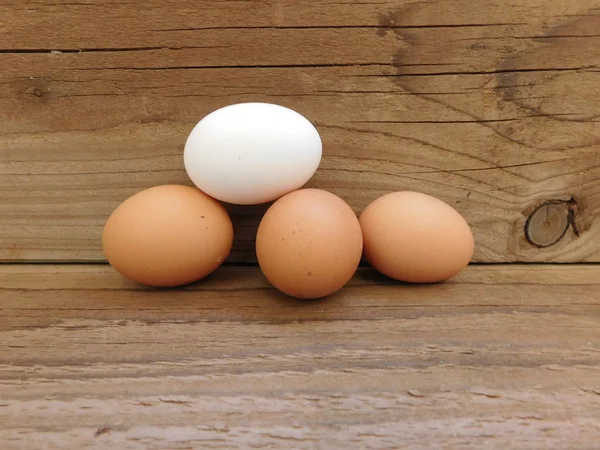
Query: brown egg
[
  {"x": 416, "y": 238},
  {"x": 168, "y": 236},
  {"x": 309, "y": 243}
]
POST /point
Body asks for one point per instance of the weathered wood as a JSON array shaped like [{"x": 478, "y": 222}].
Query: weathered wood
[
  {"x": 501, "y": 356},
  {"x": 490, "y": 106}
]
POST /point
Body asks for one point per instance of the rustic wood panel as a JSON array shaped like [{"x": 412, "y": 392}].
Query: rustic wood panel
[
  {"x": 501, "y": 356},
  {"x": 492, "y": 106}
]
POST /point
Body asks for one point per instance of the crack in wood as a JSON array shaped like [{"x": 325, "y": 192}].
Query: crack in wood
[
  {"x": 98, "y": 50},
  {"x": 488, "y": 72},
  {"x": 336, "y": 27}
]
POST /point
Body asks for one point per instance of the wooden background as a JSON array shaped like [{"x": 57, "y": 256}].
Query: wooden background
[{"x": 493, "y": 106}]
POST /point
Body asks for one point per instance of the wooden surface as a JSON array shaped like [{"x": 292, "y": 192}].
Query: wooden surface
[
  {"x": 500, "y": 357},
  {"x": 491, "y": 105}
]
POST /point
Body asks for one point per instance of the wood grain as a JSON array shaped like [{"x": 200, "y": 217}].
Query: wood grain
[
  {"x": 491, "y": 106},
  {"x": 501, "y": 356}
]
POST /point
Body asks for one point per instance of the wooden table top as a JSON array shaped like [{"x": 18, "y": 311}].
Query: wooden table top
[{"x": 501, "y": 356}]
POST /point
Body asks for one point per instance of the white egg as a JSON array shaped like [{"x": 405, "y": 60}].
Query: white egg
[{"x": 252, "y": 153}]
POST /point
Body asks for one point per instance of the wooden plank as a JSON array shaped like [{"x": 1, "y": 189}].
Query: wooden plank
[
  {"x": 501, "y": 356},
  {"x": 491, "y": 107}
]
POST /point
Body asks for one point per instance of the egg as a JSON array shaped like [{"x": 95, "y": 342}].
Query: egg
[
  {"x": 309, "y": 244},
  {"x": 252, "y": 153},
  {"x": 413, "y": 237},
  {"x": 167, "y": 236}
]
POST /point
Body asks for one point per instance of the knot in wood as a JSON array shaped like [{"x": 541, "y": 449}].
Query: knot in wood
[{"x": 549, "y": 222}]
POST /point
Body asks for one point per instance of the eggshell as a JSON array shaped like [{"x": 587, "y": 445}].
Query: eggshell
[
  {"x": 415, "y": 238},
  {"x": 168, "y": 236},
  {"x": 309, "y": 243},
  {"x": 252, "y": 153}
]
